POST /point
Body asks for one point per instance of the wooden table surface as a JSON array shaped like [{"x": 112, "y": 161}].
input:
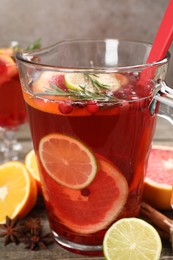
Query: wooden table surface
[{"x": 163, "y": 135}]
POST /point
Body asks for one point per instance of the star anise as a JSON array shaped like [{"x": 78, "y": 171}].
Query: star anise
[
  {"x": 32, "y": 226},
  {"x": 37, "y": 241},
  {"x": 11, "y": 230}
]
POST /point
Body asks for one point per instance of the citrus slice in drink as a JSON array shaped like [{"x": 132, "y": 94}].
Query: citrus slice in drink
[
  {"x": 49, "y": 80},
  {"x": 94, "y": 207},
  {"x": 32, "y": 166},
  {"x": 79, "y": 82},
  {"x": 67, "y": 160},
  {"x": 8, "y": 67},
  {"x": 132, "y": 238},
  {"x": 7, "y": 51},
  {"x": 18, "y": 190},
  {"x": 159, "y": 178}
]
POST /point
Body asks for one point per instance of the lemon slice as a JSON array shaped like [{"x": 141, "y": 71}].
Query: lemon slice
[
  {"x": 132, "y": 239},
  {"x": 79, "y": 81}
]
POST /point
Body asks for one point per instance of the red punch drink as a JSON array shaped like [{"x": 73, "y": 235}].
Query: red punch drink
[
  {"x": 92, "y": 130},
  {"x": 12, "y": 106}
]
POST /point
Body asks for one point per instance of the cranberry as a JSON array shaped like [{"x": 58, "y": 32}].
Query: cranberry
[
  {"x": 92, "y": 107},
  {"x": 85, "y": 192},
  {"x": 65, "y": 108}
]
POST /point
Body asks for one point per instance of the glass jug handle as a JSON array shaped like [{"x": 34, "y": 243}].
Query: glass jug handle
[{"x": 164, "y": 95}]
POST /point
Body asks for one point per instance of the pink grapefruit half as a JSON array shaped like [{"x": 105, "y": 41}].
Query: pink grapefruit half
[
  {"x": 96, "y": 206},
  {"x": 159, "y": 179}
]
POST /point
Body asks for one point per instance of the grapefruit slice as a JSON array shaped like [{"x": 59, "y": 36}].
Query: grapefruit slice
[
  {"x": 67, "y": 160},
  {"x": 95, "y": 207},
  {"x": 159, "y": 178}
]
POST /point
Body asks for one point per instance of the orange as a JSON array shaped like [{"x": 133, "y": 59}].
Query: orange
[
  {"x": 159, "y": 179},
  {"x": 7, "y": 51},
  {"x": 67, "y": 160},
  {"x": 18, "y": 190},
  {"x": 32, "y": 166}
]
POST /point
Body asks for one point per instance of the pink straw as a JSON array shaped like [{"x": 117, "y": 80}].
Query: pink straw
[{"x": 164, "y": 36}]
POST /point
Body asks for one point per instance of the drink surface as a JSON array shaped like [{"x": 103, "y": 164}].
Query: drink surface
[
  {"x": 116, "y": 133},
  {"x": 12, "y": 106}
]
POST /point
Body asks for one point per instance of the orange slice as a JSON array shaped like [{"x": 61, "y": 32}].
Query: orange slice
[
  {"x": 7, "y": 66},
  {"x": 18, "y": 191},
  {"x": 68, "y": 161},
  {"x": 32, "y": 166},
  {"x": 7, "y": 51}
]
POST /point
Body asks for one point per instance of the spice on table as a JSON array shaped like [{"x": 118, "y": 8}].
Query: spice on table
[
  {"x": 162, "y": 223},
  {"x": 32, "y": 226},
  {"x": 28, "y": 232},
  {"x": 37, "y": 242},
  {"x": 11, "y": 230}
]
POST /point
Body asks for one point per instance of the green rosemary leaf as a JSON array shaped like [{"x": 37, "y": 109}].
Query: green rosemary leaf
[
  {"x": 35, "y": 45},
  {"x": 95, "y": 82},
  {"x": 57, "y": 88},
  {"x": 103, "y": 86},
  {"x": 86, "y": 92}
]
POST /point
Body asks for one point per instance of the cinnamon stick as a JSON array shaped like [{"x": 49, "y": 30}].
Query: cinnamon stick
[
  {"x": 156, "y": 218},
  {"x": 162, "y": 223}
]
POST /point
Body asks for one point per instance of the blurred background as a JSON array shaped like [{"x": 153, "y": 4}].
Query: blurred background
[{"x": 56, "y": 20}]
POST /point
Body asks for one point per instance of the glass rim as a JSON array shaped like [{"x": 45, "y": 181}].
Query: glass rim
[{"x": 26, "y": 57}]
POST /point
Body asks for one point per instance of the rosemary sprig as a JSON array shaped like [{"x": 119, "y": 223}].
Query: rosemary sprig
[
  {"x": 92, "y": 89},
  {"x": 81, "y": 95},
  {"x": 35, "y": 45},
  {"x": 95, "y": 82},
  {"x": 15, "y": 45}
]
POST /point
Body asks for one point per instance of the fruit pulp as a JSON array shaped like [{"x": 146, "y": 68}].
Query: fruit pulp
[
  {"x": 120, "y": 133},
  {"x": 12, "y": 106}
]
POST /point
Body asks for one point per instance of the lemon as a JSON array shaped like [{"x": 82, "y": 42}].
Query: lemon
[
  {"x": 132, "y": 239},
  {"x": 79, "y": 81}
]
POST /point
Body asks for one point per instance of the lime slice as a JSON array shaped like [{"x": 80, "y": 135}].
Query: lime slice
[
  {"x": 79, "y": 81},
  {"x": 75, "y": 81},
  {"x": 132, "y": 239},
  {"x": 67, "y": 160}
]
